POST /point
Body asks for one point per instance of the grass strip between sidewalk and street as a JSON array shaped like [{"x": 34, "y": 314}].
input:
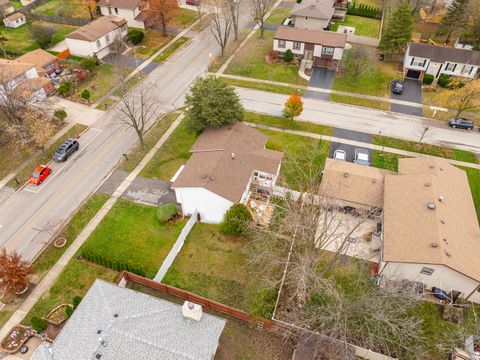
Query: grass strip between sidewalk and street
[
  {"x": 172, "y": 49},
  {"x": 287, "y": 90}
]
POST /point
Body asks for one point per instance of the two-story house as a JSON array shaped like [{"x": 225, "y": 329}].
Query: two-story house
[
  {"x": 45, "y": 63},
  {"x": 94, "y": 39},
  {"x": 130, "y": 10},
  {"x": 421, "y": 59},
  {"x": 317, "y": 48},
  {"x": 317, "y": 14}
]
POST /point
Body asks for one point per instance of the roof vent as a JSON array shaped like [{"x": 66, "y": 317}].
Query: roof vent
[
  {"x": 443, "y": 222},
  {"x": 427, "y": 184},
  {"x": 431, "y": 206},
  {"x": 346, "y": 175},
  {"x": 233, "y": 156},
  {"x": 374, "y": 181},
  {"x": 115, "y": 315},
  {"x": 431, "y": 167},
  {"x": 441, "y": 198},
  {"x": 99, "y": 331},
  {"x": 98, "y": 356},
  {"x": 434, "y": 245},
  {"x": 102, "y": 341},
  {"x": 191, "y": 310},
  {"x": 448, "y": 254}
]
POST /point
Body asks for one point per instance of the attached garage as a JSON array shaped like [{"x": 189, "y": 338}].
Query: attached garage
[{"x": 413, "y": 74}]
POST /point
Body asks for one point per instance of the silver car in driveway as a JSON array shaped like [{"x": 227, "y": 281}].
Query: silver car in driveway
[
  {"x": 362, "y": 157},
  {"x": 340, "y": 155}
]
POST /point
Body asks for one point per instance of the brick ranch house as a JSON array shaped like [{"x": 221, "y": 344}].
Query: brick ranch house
[{"x": 315, "y": 48}]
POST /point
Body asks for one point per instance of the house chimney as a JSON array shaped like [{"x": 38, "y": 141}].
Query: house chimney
[
  {"x": 191, "y": 310},
  {"x": 233, "y": 156}
]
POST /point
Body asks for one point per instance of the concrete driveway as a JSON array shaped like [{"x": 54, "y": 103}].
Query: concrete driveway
[
  {"x": 129, "y": 61},
  {"x": 412, "y": 91},
  {"x": 350, "y": 149},
  {"x": 321, "y": 78}
]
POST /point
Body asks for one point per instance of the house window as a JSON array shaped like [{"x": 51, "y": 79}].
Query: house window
[
  {"x": 297, "y": 45},
  {"x": 116, "y": 10},
  {"x": 327, "y": 50},
  {"x": 451, "y": 67},
  {"x": 467, "y": 69},
  {"x": 98, "y": 43},
  {"x": 427, "y": 271},
  {"x": 281, "y": 44},
  {"x": 107, "y": 37},
  {"x": 418, "y": 62}
]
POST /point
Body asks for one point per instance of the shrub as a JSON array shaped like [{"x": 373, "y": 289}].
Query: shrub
[
  {"x": 65, "y": 88},
  {"x": 86, "y": 94},
  {"x": 166, "y": 212},
  {"x": 364, "y": 10},
  {"x": 68, "y": 311},
  {"x": 236, "y": 220},
  {"x": 76, "y": 301},
  {"x": 135, "y": 36},
  {"x": 42, "y": 34},
  {"x": 428, "y": 79},
  {"x": 38, "y": 324},
  {"x": 443, "y": 80},
  {"x": 60, "y": 114},
  {"x": 89, "y": 64},
  {"x": 288, "y": 55}
]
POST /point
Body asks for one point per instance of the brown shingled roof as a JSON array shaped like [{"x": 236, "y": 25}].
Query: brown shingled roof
[
  {"x": 39, "y": 58},
  {"x": 212, "y": 167},
  {"x": 98, "y": 28},
  {"x": 327, "y": 38},
  {"x": 13, "y": 68},
  {"x": 442, "y": 54},
  {"x": 318, "y": 9},
  {"x": 353, "y": 183},
  {"x": 15, "y": 16},
  {"x": 121, "y": 4},
  {"x": 447, "y": 235}
]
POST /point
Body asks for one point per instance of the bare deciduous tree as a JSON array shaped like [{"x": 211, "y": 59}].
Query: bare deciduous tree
[
  {"x": 259, "y": 9},
  {"x": 138, "y": 110},
  {"x": 222, "y": 23},
  {"x": 234, "y": 6},
  {"x": 355, "y": 61}
]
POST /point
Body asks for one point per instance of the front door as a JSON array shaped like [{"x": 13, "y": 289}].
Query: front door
[{"x": 308, "y": 55}]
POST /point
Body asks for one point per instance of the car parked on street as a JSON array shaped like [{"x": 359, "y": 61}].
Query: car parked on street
[
  {"x": 397, "y": 87},
  {"x": 65, "y": 150},
  {"x": 461, "y": 123},
  {"x": 340, "y": 155},
  {"x": 40, "y": 174},
  {"x": 361, "y": 157}
]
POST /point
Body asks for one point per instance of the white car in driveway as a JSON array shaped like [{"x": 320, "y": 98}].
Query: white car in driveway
[
  {"x": 361, "y": 157},
  {"x": 340, "y": 155}
]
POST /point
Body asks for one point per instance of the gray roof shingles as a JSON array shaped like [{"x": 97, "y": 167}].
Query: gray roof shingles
[
  {"x": 441, "y": 54},
  {"x": 146, "y": 328}
]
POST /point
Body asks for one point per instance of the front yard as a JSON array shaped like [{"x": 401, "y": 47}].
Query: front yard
[
  {"x": 131, "y": 234},
  {"x": 151, "y": 43},
  {"x": 363, "y": 26},
  {"x": 251, "y": 62}
]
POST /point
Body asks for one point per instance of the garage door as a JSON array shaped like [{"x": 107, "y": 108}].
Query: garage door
[{"x": 413, "y": 74}]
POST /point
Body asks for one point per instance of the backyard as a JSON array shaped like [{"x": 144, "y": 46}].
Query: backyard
[
  {"x": 363, "y": 26},
  {"x": 131, "y": 234},
  {"x": 65, "y": 8}
]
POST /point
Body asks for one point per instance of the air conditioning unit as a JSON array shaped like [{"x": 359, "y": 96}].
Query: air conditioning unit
[{"x": 191, "y": 310}]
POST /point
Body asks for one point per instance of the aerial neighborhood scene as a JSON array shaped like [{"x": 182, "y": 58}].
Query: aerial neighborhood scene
[{"x": 240, "y": 179}]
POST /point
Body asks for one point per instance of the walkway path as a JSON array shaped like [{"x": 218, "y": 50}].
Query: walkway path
[
  {"x": 49, "y": 279},
  {"x": 363, "y": 145}
]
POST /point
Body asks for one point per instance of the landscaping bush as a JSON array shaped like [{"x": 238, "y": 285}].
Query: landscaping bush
[
  {"x": 65, "y": 88},
  {"x": 288, "y": 55},
  {"x": 86, "y": 94},
  {"x": 120, "y": 266},
  {"x": 364, "y": 10},
  {"x": 236, "y": 220},
  {"x": 428, "y": 79},
  {"x": 76, "y": 301},
  {"x": 38, "y": 324},
  {"x": 443, "y": 80},
  {"x": 60, "y": 114},
  {"x": 89, "y": 64},
  {"x": 135, "y": 36},
  {"x": 42, "y": 35},
  {"x": 166, "y": 212},
  {"x": 68, "y": 311}
]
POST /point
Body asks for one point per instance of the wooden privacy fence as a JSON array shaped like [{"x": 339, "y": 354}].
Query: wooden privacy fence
[
  {"x": 56, "y": 19},
  {"x": 207, "y": 304}
]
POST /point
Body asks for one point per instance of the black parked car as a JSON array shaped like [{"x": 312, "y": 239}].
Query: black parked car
[
  {"x": 66, "y": 150},
  {"x": 397, "y": 87},
  {"x": 461, "y": 123}
]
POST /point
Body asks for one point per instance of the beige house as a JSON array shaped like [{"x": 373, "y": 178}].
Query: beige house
[
  {"x": 317, "y": 14},
  {"x": 44, "y": 62},
  {"x": 431, "y": 232},
  {"x": 95, "y": 39},
  {"x": 15, "y": 20}
]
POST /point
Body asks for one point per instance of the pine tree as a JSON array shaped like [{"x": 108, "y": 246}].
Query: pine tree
[
  {"x": 398, "y": 32},
  {"x": 455, "y": 18}
]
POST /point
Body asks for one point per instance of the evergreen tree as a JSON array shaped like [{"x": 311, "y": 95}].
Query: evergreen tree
[
  {"x": 456, "y": 18},
  {"x": 211, "y": 103},
  {"x": 398, "y": 32}
]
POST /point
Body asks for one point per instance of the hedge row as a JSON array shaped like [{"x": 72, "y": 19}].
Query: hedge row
[
  {"x": 364, "y": 10},
  {"x": 112, "y": 264}
]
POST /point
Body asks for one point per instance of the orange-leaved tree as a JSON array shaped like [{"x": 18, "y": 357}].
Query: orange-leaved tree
[
  {"x": 161, "y": 12},
  {"x": 293, "y": 107},
  {"x": 14, "y": 272},
  {"x": 461, "y": 97}
]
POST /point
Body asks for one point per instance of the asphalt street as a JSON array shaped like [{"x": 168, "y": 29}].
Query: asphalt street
[{"x": 364, "y": 120}]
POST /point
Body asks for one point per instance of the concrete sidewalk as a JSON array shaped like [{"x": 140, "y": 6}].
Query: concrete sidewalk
[
  {"x": 47, "y": 282},
  {"x": 363, "y": 145}
]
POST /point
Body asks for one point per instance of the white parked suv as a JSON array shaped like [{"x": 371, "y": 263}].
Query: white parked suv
[
  {"x": 361, "y": 157},
  {"x": 340, "y": 155}
]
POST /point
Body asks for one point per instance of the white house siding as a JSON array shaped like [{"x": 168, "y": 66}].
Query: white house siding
[
  {"x": 317, "y": 51},
  {"x": 79, "y": 47},
  {"x": 210, "y": 206},
  {"x": 433, "y": 67},
  {"x": 337, "y": 53},
  {"x": 288, "y": 45},
  {"x": 98, "y": 47},
  {"x": 442, "y": 277},
  {"x": 14, "y": 23},
  {"x": 417, "y": 60},
  {"x": 127, "y": 14},
  {"x": 303, "y": 22}
]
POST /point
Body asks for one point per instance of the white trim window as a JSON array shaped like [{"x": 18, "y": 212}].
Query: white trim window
[
  {"x": 467, "y": 69},
  {"x": 327, "y": 50},
  {"x": 418, "y": 62},
  {"x": 297, "y": 45},
  {"x": 98, "y": 43},
  {"x": 282, "y": 44},
  {"x": 427, "y": 271},
  {"x": 450, "y": 67}
]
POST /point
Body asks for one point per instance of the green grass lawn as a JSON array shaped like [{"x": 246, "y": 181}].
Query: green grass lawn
[
  {"x": 474, "y": 182},
  {"x": 287, "y": 90},
  {"x": 151, "y": 43},
  {"x": 174, "y": 153},
  {"x": 375, "y": 104},
  {"x": 185, "y": 18},
  {"x": 278, "y": 15},
  {"x": 72, "y": 8},
  {"x": 363, "y": 26},
  {"x": 374, "y": 81},
  {"x": 130, "y": 233},
  {"x": 20, "y": 41},
  {"x": 384, "y": 160},
  {"x": 154, "y": 134},
  {"x": 250, "y": 62},
  {"x": 174, "y": 47}
]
